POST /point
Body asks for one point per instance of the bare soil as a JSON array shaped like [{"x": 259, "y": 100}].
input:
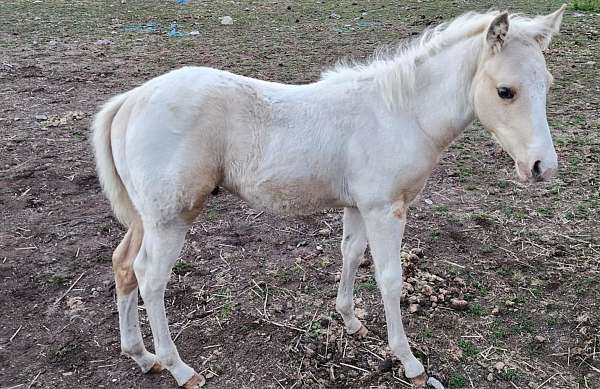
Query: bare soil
[{"x": 251, "y": 301}]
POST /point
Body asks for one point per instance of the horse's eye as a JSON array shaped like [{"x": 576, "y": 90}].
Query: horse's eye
[{"x": 505, "y": 93}]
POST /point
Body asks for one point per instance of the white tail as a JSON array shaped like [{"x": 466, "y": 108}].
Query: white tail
[{"x": 107, "y": 173}]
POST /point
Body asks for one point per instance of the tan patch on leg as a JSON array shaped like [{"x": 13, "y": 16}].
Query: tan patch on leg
[
  {"x": 124, "y": 256},
  {"x": 190, "y": 214}
]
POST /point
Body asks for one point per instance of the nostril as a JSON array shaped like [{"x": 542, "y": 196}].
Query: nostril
[{"x": 536, "y": 171}]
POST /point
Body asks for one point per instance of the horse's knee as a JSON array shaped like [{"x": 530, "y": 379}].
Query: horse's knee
[
  {"x": 390, "y": 282},
  {"x": 124, "y": 257}
]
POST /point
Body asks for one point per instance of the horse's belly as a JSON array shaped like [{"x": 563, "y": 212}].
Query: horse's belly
[{"x": 292, "y": 197}]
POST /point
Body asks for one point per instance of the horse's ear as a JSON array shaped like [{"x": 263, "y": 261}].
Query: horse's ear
[
  {"x": 497, "y": 31},
  {"x": 550, "y": 25}
]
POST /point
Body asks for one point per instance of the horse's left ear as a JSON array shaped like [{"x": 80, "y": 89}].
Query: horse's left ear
[{"x": 550, "y": 25}]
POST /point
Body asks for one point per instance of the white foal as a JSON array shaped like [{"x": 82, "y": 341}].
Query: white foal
[{"x": 364, "y": 137}]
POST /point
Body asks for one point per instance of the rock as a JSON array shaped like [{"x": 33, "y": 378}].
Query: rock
[
  {"x": 195, "y": 32},
  {"x": 418, "y": 252},
  {"x": 41, "y": 117},
  {"x": 459, "y": 305},
  {"x": 324, "y": 231},
  {"x": 103, "y": 42},
  {"x": 499, "y": 366},
  {"x": 433, "y": 299},
  {"x": 540, "y": 339},
  {"x": 413, "y": 308},
  {"x": 460, "y": 281},
  {"x": 495, "y": 311},
  {"x": 226, "y": 20},
  {"x": 334, "y": 16},
  {"x": 385, "y": 365},
  {"x": 360, "y": 313},
  {"x": 413, "y": 300},
  {"x": 319, "y": 248},
  {"x": 490, "y": 377},
  {"x": 509, "y": 303},
  {"x": 427, "y": 290}
]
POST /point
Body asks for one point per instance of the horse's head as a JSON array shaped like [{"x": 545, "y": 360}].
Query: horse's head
[{"x": 510, "y": 90}]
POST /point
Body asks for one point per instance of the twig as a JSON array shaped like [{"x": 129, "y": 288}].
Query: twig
[
  {"x": 68, "y": 290},
  {"x": 15, "y": 334},
  {"x": 32, "y": 382},
  {"x": 543, "y": 383},
  {"x": 354, "y": 367},
  {"x": 453, "y": 264}
]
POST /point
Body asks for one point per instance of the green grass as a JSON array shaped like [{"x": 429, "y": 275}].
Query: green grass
[
  {"x": 586, "y": 5},
  {"x": 457, "y": 381},
  {"x": 182, "y": 267},
  {"x": 469, "y": 349}
]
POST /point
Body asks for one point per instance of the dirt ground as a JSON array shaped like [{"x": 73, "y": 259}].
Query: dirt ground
[{"x": 251, "y": 302}]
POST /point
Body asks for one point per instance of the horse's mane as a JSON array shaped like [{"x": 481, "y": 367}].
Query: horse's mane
[{"x": 393, "y": 70}]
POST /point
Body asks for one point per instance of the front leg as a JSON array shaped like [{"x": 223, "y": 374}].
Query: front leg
[{"x": 385, "y": 227}]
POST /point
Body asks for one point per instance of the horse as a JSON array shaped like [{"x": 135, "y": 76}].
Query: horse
[{"x": 364, "y": 137}]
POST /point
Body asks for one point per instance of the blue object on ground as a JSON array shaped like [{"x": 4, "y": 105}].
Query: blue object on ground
[
  {"x": 174, "y": 33},
  {"x": 183, "y": 2}
]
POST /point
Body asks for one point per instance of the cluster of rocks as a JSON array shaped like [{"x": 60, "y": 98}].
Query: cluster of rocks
[{"x": 422, "y": 289}]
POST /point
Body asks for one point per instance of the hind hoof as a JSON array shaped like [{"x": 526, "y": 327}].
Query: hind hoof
[{"x": 197, "y": 381}]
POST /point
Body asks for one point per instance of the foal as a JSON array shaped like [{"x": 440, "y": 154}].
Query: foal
[{"x": 364, "y": 137}]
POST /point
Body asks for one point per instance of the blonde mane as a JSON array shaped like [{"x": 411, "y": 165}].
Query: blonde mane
[{"x": 394, "y": 70}]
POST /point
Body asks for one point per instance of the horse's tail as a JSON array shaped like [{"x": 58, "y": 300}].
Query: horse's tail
[{"x": 105, "y": 165}]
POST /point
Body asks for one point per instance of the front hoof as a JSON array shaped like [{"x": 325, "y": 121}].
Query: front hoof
[
  {"x": 434, "y": 383},
  {"x": 197, "y": 381},
  {"x": 424, "y": 382}
]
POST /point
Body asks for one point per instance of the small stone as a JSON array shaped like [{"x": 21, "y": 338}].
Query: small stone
[
  {"x": 427, "y": 290},
  {"x": 495, "y": 311},
  {"x": 413, "y": 300},
  {"x": 103, "y": 42},
  {"x": 460, "y": 281},
  {"x": 226, "y": 20},
  {"x": 509, "y": 303},
  {"x": 413, "y": 308},
  {"x": 195, "y": 32},
  {"x": 418, "y": 252},
  {"x": 490, "y": 377},
  {"x": 360, "y": 313},
  {"x": 324, "y": 231},
  {"x": 385, "y": 365},
  {"x": 319, "y": 248},
  {"x": 533, "y": 385},
  {"x": 499, "y": 366},
  {"x": 458, "y": 304},
  {"x": 41, "y": 117},
  {"x": 540, "y": 339},
  {"x": 433, "y": 299}
]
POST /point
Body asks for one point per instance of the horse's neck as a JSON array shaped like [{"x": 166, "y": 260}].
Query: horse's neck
[{"x": 442, "y": 100}]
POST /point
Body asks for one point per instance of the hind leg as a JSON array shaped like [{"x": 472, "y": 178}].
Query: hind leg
[
  {"x": 354, "y": 243},
  {"x": 132, "y": 343},
  {"x": 159, "y": 252}
]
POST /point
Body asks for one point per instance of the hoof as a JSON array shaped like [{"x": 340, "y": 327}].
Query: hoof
[
  {"x": 362, "y": 332},
  {"x": 424, "y": 382},
  {"x": 155, "y": 369},
  {"x": 197, "y": 381}
]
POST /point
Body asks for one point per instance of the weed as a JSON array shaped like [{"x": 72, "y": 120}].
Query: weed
[
  {"x": 468, "y": 348},
  {"x": 182, "y": 267},
  {"x": 476, "y": 310},
  {"x": 57, "y": 280},
  {"x": 456, "y": 381}
]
